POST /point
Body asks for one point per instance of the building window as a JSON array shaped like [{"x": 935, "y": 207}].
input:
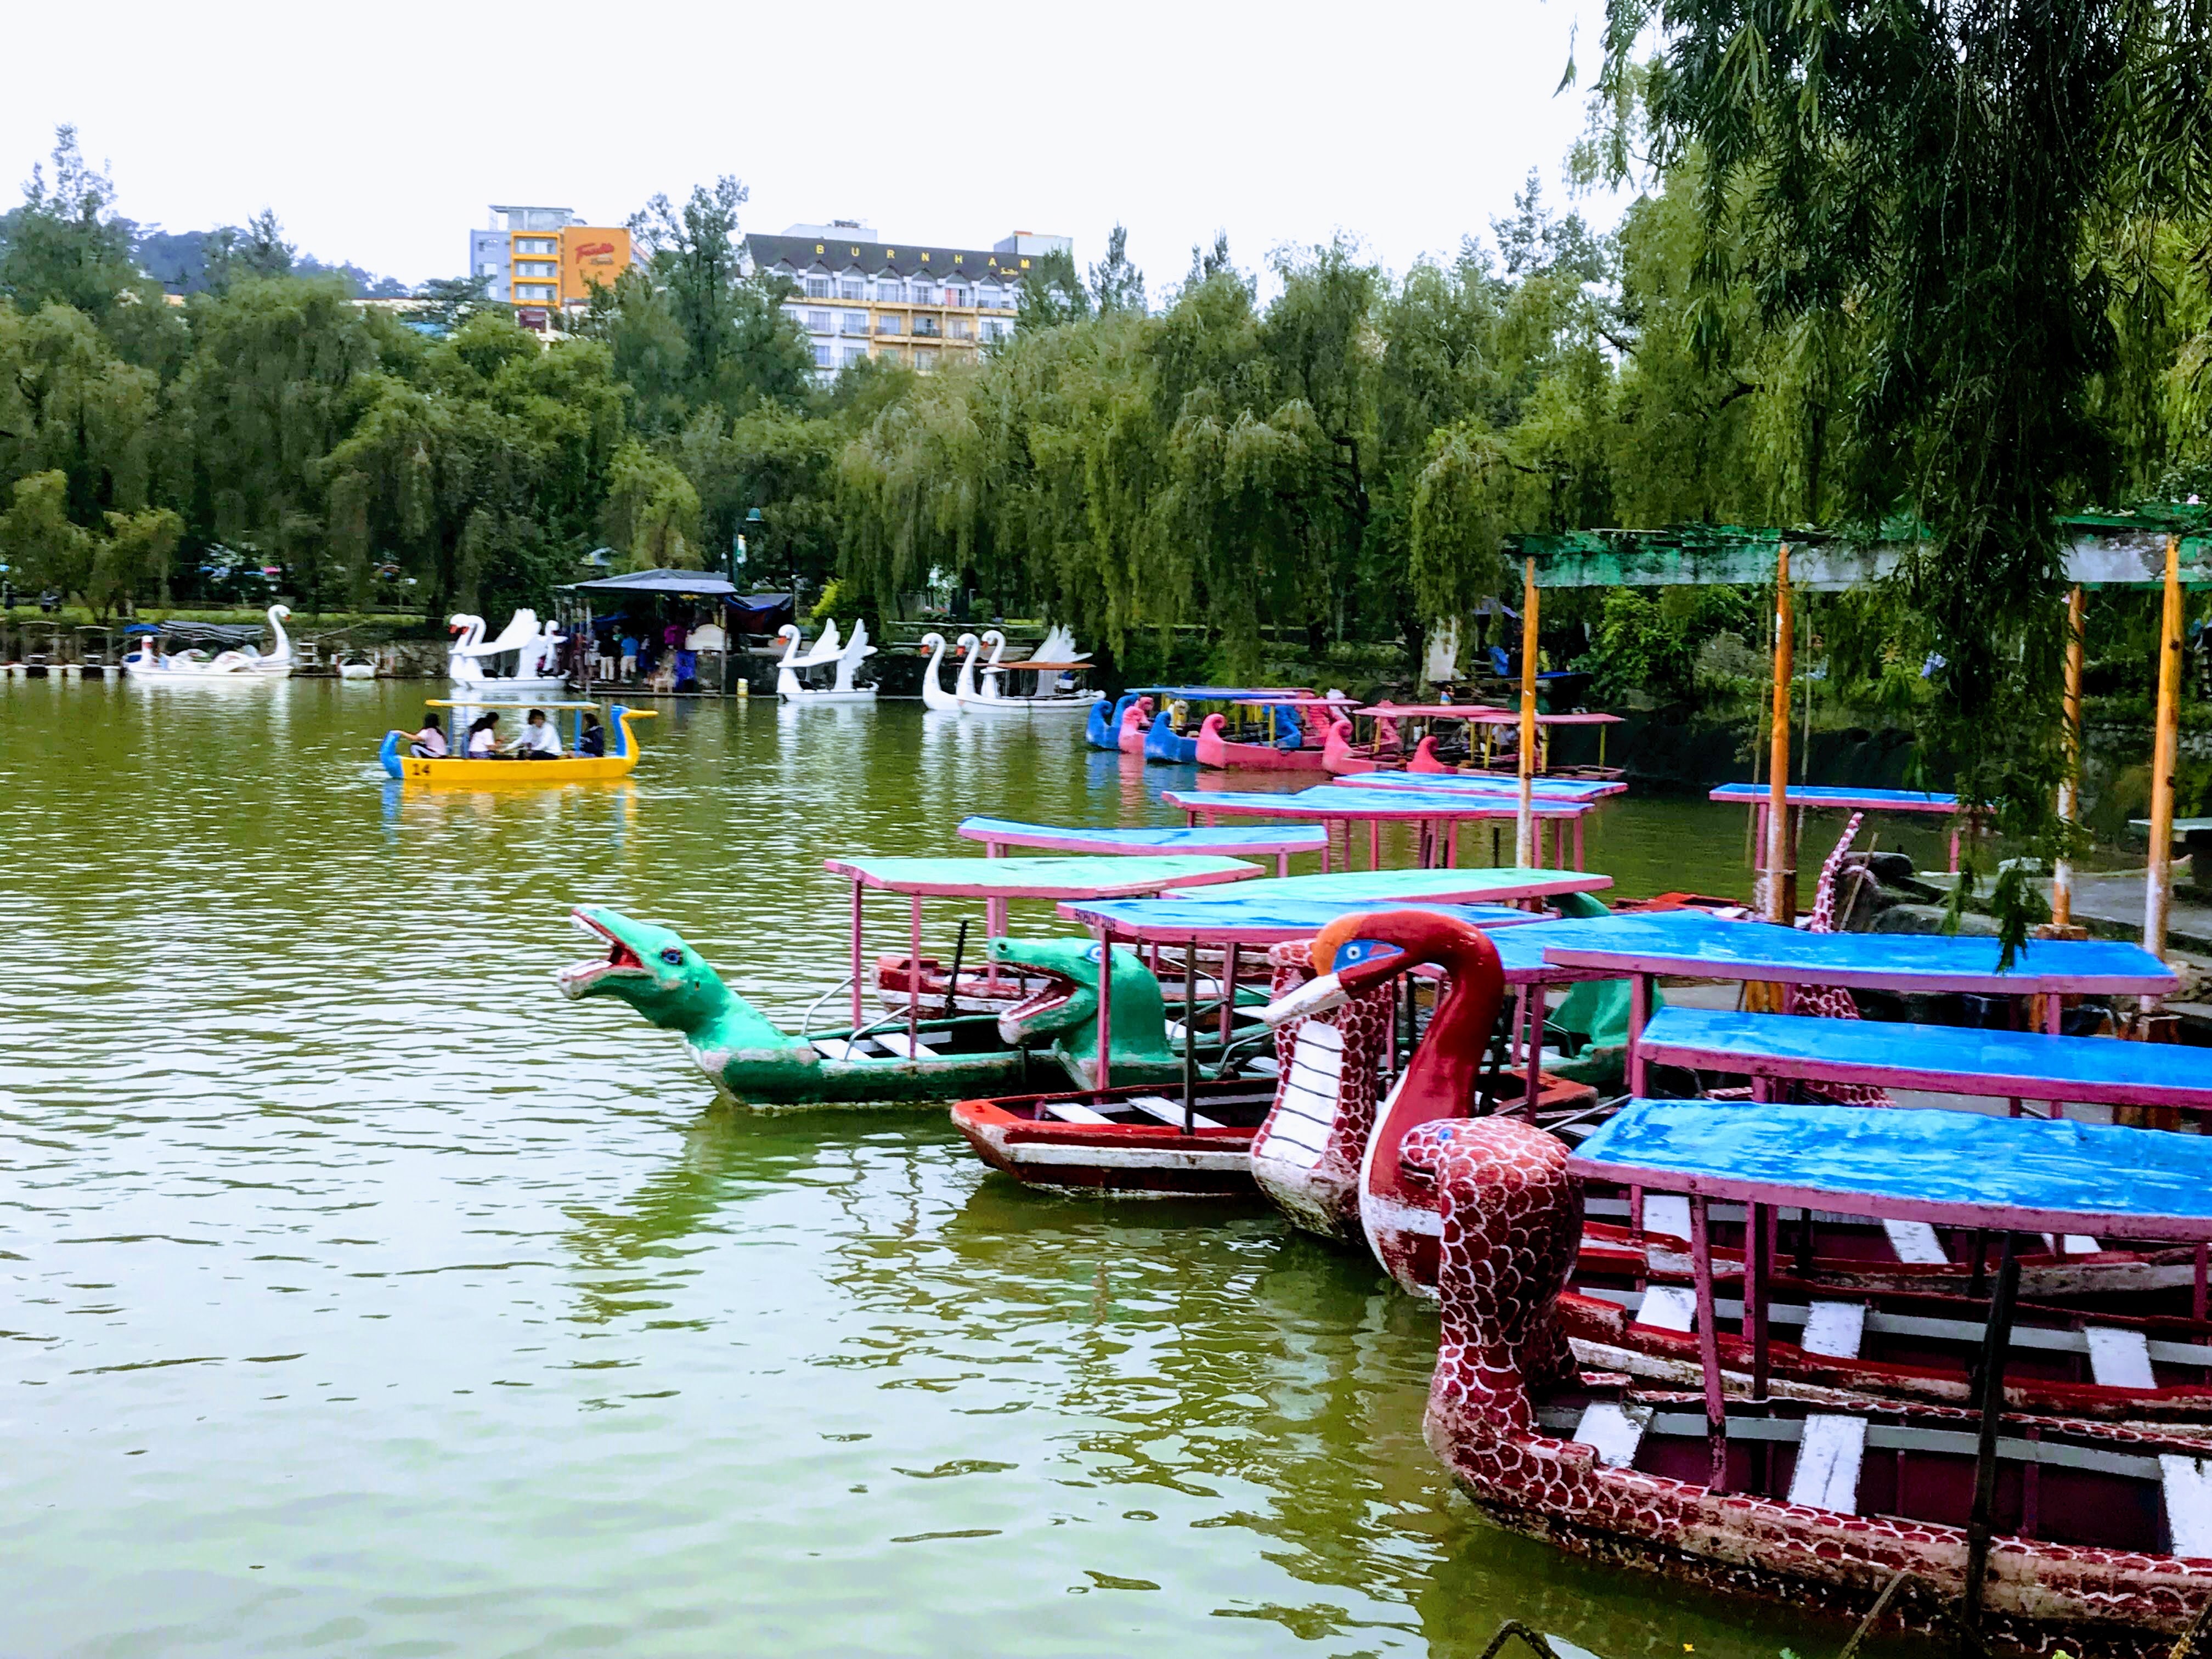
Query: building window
[
  {"x": 993, "y": 329},
  {"x": 890, "y": 326},
  {"x": 892, "y": 293},
  {"x": 821, "y": 354},
  {"x": 957, "y": 296},
  {"x": 535, "y": 268},
  {"x": 850, "y": 289},
  {"x": 818, "y": 288},
  {"x": 856, "y": 322},
  {"x": 534, "y": 293},
  {"x": 924, "y": 294},
  {"x": 536, "y": 244},
  {"x": 488, "y": 268},
  {"x": 856, "y": 354},
  {"x": 928, "y": 325},
  {"x": 924, "y": 359},
  {"x": 817, "y": 322},
  {"x": 894, "y": 353},
  {"x": 956, "y": 328}
]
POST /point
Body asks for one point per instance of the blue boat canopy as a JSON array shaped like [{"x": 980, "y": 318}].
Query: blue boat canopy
[
  {"x": 1266, "y": 921},
  {"x": 1227, "y": 840},
  {"x": 1955, "y": 1168}
]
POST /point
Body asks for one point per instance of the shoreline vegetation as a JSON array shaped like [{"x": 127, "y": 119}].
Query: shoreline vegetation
[{"x": 1248, "y": 467}]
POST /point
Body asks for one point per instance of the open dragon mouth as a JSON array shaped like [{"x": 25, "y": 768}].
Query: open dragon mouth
[
  {"x": 579, "y": 977},
  {"x": 1058, "y": 990}
]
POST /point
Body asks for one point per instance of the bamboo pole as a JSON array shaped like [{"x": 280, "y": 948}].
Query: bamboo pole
[
  {"x": 2158, "y": 880},
  {"x": 2069, "y": 785},
  {"x": 1781, "y": 865},
  {"x": 1524, "y": 818}
]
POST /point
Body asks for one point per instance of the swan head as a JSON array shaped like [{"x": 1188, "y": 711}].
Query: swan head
[
  {"x": 648, "y": 966},
  {"x": 1355, "y": 954},
  {"x": 966, "y": 642},
  {"x": 281, "y": 612},
  {"x": 932, "y": 642}
]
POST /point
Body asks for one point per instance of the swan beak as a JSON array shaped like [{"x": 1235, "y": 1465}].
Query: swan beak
[{"x": 1315, "y": 996}]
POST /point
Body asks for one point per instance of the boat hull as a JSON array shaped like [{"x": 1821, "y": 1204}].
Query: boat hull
[
  {"x": 1218, "y": 752},
  {"x": 501, "y": 773},
  {"x": 1152, "y": 1157}
]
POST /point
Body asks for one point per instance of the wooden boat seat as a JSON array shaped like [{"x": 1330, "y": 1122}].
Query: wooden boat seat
[
  {"x": 1995, "y": 1064},
  {"x": 1829, "y": 1455},
  {"x": 1613, "y": 1431},
  {"x": 839, "y": 1049},
  {"x": 2072, "y": 1243},
  {"x": 896, "y": 1042},
  {"x": 1669, "y": 1308},
  {"x": 1835, "y": 1329},
  {"x": 1667, "y": 1213},
  {"x": 1264, "y": 1066},
  {"x": 2187, "y": 1482},
  {"x": 1169, "y": 1111},
  {"x": 1916, "y": 1244},
  {"x": 1073, "y": 1111},
  {"x": 2119, "y": 1358}
]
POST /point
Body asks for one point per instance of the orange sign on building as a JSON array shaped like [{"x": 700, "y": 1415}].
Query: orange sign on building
[{"x": 591, "y": 254}]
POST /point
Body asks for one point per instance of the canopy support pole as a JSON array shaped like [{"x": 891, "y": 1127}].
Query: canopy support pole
[
  {"x": 1105, "y": 935},
  {"x": 1709, "y": 1340},
  {"x": 2070, "y": 784},
  {"x": 2158, "y": 879},
  {"x": 911, "y": 967},
  {"x": 1190, "y": 1036},
  {"x": 1524, "y": 821},
  {"x": 1781, "y": 864},
  {"x": 1996, "y": 1341},
  {"x": 913, "y": 973}
]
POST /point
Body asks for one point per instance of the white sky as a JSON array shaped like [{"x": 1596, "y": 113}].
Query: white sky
[{"x": 379, "y": 133}]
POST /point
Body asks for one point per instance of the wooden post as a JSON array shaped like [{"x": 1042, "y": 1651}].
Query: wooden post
[
  {"x": 1524, "y": 820},
  {"x": 1709, "y": 1338},
  {"x": 2158, "y": 880},
  {"x": 1190, "y": 1033},
  {"x": 1781, "y": 857},
  {"x": 1996, "y": 1342},
  {"x": 2069, "y": 785},
  {"x": 1105, "y": 935}
]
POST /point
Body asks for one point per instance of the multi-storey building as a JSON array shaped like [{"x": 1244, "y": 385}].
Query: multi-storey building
[
  {"x": 920, "y": 304},
  {"x": 544, "y": 261}
]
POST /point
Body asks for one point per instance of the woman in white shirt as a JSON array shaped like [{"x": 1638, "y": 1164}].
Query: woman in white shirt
[
  {"x": 538, "y": 741},
  {"x": 484, "y": 738}
]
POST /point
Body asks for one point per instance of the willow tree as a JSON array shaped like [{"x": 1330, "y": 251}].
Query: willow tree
[{"x": 1935, "y": 177}]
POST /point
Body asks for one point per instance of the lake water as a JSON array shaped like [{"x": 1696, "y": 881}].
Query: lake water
[{"x": 364, "y": 1297}]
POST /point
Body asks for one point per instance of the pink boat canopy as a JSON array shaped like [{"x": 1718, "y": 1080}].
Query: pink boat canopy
[{"x": 1036, "y": 879}]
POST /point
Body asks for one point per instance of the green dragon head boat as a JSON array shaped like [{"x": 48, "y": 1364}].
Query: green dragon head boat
[{"x": 755, "y": 1063}]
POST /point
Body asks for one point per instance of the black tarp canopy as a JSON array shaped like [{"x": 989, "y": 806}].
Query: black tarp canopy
[{"x": 673, "y": 583}]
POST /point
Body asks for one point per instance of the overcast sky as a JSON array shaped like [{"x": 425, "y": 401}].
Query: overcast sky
[{"x": 379, "y": 133}]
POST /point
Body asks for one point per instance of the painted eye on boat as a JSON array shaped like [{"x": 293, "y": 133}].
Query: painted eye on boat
[
  {"x": 1091, "y": 952},
  {"x": 672, "y": 957},
  {"x": 1353, "y": 951}
]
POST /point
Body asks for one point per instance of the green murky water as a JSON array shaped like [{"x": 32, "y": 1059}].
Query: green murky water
[{"x": 362, "y": 1296}]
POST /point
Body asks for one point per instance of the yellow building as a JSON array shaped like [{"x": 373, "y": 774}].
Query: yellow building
[
  {"x": 922, "y": 304},
  {"x": 544, "y": 261}
]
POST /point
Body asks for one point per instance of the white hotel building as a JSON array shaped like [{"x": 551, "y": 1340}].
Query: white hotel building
[{"x": 915, "y": 303}]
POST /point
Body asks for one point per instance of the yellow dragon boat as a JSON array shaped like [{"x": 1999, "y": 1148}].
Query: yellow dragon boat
[{"x": 619, "y": 760}]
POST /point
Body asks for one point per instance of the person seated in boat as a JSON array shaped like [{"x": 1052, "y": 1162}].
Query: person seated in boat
[
  {"x": 484, "y": 738},
  {"x": 538, "y": 741},
  {"x": 593, "y": 739},
  {"x": 429, "y": 742}
]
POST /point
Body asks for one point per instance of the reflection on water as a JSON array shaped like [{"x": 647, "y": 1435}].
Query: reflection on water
[{"x": 363, "y": 1297}]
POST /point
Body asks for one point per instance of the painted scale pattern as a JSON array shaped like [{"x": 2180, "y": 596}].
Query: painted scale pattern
[
  {"x": 1306, "y": 1157},
  {"x": 1512, "y": 1219}
]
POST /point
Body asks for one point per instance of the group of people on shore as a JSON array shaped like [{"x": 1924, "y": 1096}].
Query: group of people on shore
[{"x": 537, "y": 741}]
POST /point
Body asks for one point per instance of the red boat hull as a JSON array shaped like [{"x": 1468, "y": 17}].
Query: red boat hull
[{"x": 1148, "y": 1155}]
